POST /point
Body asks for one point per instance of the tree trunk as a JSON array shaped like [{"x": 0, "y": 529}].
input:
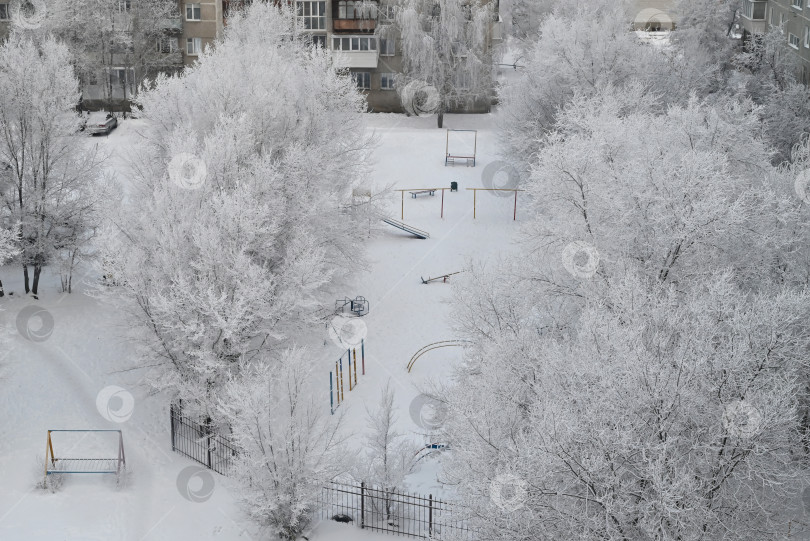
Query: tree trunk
[
  {"x": 37, "y": 271},
  {"x": 440, "y": 119},
  {"x": 25, "y": 277},
  {"x": 2, "y": 293}
]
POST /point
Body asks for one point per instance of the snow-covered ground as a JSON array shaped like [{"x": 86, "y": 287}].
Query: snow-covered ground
[{"x": 55, "y": 383}]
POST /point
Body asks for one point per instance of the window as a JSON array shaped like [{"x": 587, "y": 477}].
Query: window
[
  {"x": 124, "y": 6},
  {"x": 387, "y": 47},
  {"x": 192, "y": 12},
  {"x": 167, "y": 44},
  {"x": 193, "y": 46},
  {"x": 793, "y": 40},
  {"x": 356, "y": 9},
  {"x": 3, "y": 12},
  {"x": 796, "y": 4},
  {"x": 319, "y": 40},
  {"x": 386, "y": 13},
  {"x": 807, "y": 37},
  {"x": 362, "y": 79},
  {"x": 355, "y": 43},
  {"x": 753, "y": 9},
  {"x": 387, "y": 81},
  {"x": 462, "y": 80},
  {"x": 312, "y": 14},
  {"x": 122, "y": 76}
]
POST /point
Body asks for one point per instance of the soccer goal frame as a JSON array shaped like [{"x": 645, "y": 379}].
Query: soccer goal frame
[
  {"x": 451, "y": 157},
  {"x": 54, "y": 464}
]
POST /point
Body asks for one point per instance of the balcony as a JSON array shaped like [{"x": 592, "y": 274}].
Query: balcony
[
  {"x": 354, "y": 25},
  {"x": 355, "y": 59},
  {"x": 172, "y": 25}
]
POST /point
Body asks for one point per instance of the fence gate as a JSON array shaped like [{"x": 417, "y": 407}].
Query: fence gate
[{"x": 195, "y": 441}]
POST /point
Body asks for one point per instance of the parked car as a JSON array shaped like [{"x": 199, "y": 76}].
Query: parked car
[{"x": 97, "y": 123}]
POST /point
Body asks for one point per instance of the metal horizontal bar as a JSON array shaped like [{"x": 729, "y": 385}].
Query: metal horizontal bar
[
  {"x": 79, "y": 471},
  {"x": 496, "y": 189},
  {"x": 88, "y": 430}
]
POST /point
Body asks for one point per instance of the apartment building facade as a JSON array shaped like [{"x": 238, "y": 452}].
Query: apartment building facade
[
  {"x": 350, "y": 29},
  {"x": 758, "y": 16}
]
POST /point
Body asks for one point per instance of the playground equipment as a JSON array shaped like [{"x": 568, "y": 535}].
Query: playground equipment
[
  {"x": 442, "y": 277},
  {"x": 358, "y": 305},
  {"x": 421, "y": 191},
  {"x": 435, "y": 345},
  {"x": 429, "y": 449},
  {"x": 54, "y": 464},
  {"x": 336, "y": 377},
  {"x": 460, "y": 147},
  {"x": 475, "y": 190},
  {"x": 407, "y": 228}
]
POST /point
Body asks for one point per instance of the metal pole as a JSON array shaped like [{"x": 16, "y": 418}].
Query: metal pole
[
  {"x": 474, "y": 194},
  {"x": 350, "y": 370},
  {"x": 442, "y": 203},
  {"x": 337, "y": 385},
  {"x": 363, "y": 354},
  {"x": 342, "y": 396},
  {"x": 430, "y": 514},
  {"x": 362, "y": 504},
  {"x": 171, "y": 416},
  {"x": 402, "y": 211},
  {"x": 514, "y": 217},
  {"x": 355, "y": 366},
  {"x": 331, "y": 395}
]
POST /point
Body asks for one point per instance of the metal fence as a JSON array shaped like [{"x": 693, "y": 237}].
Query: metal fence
[
  {"x": 196, "y": 441},
  {"x": 396, "y": 513}
]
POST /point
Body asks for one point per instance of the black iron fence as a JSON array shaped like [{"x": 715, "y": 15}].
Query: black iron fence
[
  {"x": 196, "y": 441},
  {"x": 366, "y": 506},
  {"x": 396, "y": 513}
]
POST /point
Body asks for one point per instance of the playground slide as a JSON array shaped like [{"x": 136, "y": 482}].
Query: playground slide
[{"x": 405, "y": 227}]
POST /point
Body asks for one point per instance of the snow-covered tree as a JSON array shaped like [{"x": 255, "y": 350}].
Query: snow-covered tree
[
  {"x": 448, "y": 45},
  {"x": 770, "y": 68},
  {"x": 580, "y": 50},
  {"x": 286, "y": 447},
  {"x": 390, "y": 456},
  {"x": 50, "y": 189},
  {"x": 116, "y": 44},
  {"x": 653, "y": 415},
  {"x": 657, "y": 389},
  {"x": 8, "y": 249},
  {"x": 681, "y": 194},
  {"x": 241, "y": 200}
]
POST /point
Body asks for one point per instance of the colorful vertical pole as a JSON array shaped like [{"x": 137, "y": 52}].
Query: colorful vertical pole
[
  {"x": 337, "y": 384},
  {"x": 350, "y": 370},
  {"x": 331, "y": 395},
  {"x": 474, "y": 192},
  {"x": 363, "y": 354},
  {"x": 342, "y": 396},
  {"x": 355, "y": 366}
]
